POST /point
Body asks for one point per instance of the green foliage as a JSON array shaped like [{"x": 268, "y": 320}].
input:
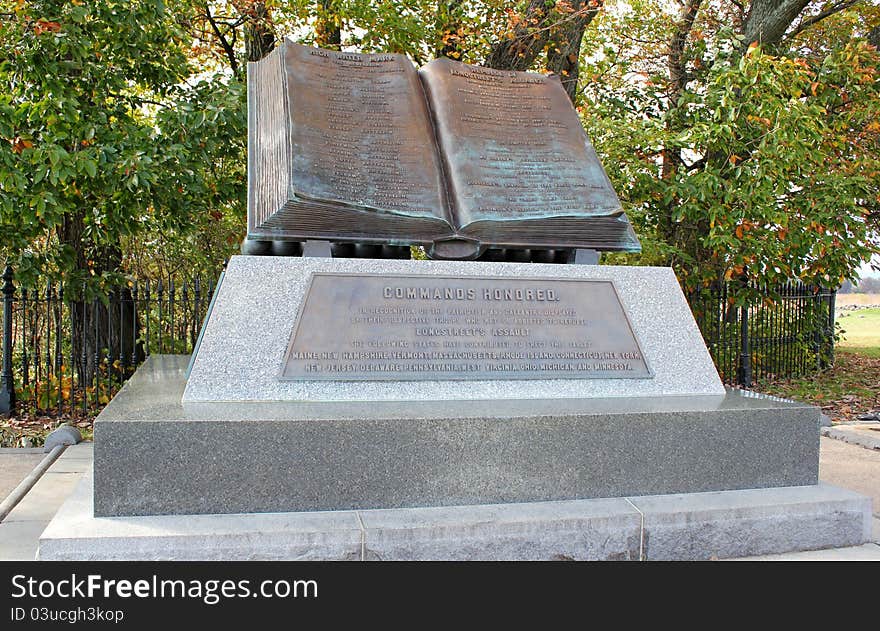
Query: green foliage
[
  {"x": 78, "y": 140},
  {"x": 202, "y": 185},
  {"x": 103, "y": 140},
  {"x": 763, "y": 167},
  {"x": 778, "y": 195},
  {"x": 124, "y": 127},
  {"x": 416, "y": 28}
]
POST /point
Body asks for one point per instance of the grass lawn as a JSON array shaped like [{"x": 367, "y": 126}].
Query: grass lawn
[
  {"x": 852, "y": 386},
  {"x": 860, "y": 331}
]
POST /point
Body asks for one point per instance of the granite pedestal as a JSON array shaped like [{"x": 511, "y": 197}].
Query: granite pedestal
[
  {"x": 155, "y": 455},
  {"x": 668, "y": 464},
  {"x": 246, "y": 337}
]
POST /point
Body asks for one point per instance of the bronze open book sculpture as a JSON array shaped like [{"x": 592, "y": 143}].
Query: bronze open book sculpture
[{"x": 364, "y": 148}]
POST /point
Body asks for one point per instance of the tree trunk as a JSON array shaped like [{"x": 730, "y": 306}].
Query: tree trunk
[
  {"x": 767, "y": 20},
  {"x": 102, "y": 335},
  {"x": 563, "y": 54},
  {"x": 678, "y": 78},
  {"x": 560, "y": 34},
  {"x": 259, "y": 39},
  {"x": 521, "y": 51}
]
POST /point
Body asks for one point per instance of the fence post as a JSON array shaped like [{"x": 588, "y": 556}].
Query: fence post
[
  {"x": 744, "y": 370},
  {"x": 7, "y": 386},
  {"x": 829, "y": 339},
  {"x": 817, "y": 323},
  {"x": 823, "y": 336}
]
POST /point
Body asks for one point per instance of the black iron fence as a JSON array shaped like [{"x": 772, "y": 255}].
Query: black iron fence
[
  {"x": 786, "y": 331},
  {"x": 68, "y": 356}
]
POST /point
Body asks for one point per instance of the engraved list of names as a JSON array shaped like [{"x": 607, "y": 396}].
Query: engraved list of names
[
  {"x": 361, "y": 133},
  {"x": 363, "y": 327},
  {"x": 516, "y": 146}
]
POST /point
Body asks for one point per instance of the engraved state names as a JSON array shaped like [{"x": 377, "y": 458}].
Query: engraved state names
[{"x": 354, "y": 327}]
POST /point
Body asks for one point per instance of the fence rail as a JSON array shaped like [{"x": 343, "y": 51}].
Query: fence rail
[
  {"x": 789, "y": 332},
  {"x": 64, "y": 356},
  {"x": 67, "y": 356}
]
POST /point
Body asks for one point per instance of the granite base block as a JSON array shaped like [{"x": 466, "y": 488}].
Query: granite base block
[
  {"x": 576, "y": 530},
  {"x": 698, "y": 526},
  {"x": 157, "y": 456},
  {"x": 75, "y": 534},
  {"x": 703, "y": 526}
]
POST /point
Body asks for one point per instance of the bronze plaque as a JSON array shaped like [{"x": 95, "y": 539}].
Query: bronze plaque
[{"x": 388, "y": 327}]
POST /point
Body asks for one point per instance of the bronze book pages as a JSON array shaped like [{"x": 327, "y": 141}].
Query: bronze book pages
[{"x": 352, "y": 147}]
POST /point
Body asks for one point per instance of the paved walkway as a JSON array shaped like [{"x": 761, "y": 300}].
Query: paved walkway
[
  {"x": 15, "y": 464},
  {"x": 20, "y": 531},
  {"x": 841, "y": 464}
]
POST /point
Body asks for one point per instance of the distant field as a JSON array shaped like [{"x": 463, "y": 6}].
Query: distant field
[
  {"x": 861, "y": 331},
  {"x": 857, "y": 299}
]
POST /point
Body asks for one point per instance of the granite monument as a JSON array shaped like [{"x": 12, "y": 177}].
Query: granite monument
[{"x": 381, "y": 408}]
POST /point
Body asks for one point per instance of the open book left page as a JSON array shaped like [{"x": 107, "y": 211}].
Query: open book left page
[{"x": 349, "y": 146}]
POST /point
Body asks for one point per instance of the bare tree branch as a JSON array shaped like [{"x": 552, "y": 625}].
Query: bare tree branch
[
  {"x": 812, "y": 20},
  {"x": 696, "y": 165},
  {"x": 224, "y": 43}
]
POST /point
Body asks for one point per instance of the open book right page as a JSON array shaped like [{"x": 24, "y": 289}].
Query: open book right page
[{"x": 514, "y": 147}]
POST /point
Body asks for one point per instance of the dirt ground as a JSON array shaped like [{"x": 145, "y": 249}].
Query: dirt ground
[
  {"x": 851, "y": 388},
  {"x": 863, "y": 300}
]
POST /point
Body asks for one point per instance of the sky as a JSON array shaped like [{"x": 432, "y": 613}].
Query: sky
[{"x": 865, "y": 271}]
